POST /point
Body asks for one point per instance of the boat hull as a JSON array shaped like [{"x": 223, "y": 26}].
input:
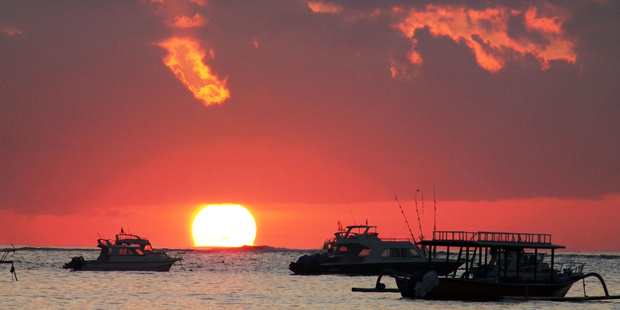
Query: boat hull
[
  {"x": 376, "y": 268},
  {"x": 163, "y": 265},
  {"x": 462, "y": 289}
]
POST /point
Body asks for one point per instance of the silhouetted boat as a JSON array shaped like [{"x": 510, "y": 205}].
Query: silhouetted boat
[
  {"x": 359, "y": 251},
  {"x": 4, "y": 260},
  {"x": 496, "y": 266},
  {"x": 127, "y": 252}
]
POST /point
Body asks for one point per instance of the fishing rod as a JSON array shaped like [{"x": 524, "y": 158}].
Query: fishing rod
[
  {"x": 406, "y": 221},
  {"x": 418, "y": 213},
  {"x": 353, "y": 216},
  {"x": 434, "y": 211}
]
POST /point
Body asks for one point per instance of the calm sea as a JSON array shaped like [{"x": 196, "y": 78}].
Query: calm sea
[{"x": 256, "y": 278}]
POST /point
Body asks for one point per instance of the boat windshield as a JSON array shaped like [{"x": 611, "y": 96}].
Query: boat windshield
[
  {"x": 362, "y": 230},
  {"x": 341, "y": 250}
]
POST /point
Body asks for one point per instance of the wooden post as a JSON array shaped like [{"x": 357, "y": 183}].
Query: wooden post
[
  {"x": 552, "y": 263},
  {"x": 535, "y": 263}
]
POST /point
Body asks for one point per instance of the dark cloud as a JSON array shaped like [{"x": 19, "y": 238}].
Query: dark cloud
[{"x": 90, "y": 110}]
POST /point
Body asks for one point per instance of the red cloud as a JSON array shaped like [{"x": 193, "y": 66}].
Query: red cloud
[
  {"x": 185, "y": 59},
  {"x": 10, "y": 29},
  {"x": 485, "y": 32},
  {"x": 187, "y": 22},
  {"x": 320, "y": 7}
]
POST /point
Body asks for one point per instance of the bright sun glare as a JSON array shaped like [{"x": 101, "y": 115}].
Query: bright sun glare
[{"x": 224, "y": 226}]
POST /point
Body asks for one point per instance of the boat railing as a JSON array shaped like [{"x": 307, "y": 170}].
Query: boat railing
[
  {"x": 452, "y": 235},
  {"x": 514, "y": 237},
  {"x": 396, "y": 239},
  {"x": 571, "y": 268},
  {"x": 491, "y": 237}
]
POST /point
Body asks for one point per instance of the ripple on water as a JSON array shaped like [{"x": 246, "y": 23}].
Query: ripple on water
[{"x": 236, "y": 279}]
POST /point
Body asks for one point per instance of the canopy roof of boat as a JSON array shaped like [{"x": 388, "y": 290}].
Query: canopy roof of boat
[
  {"x": 361, "y": 226},
  {"x": 126, "y": 236},
  {"x": 491, "y": 239}
]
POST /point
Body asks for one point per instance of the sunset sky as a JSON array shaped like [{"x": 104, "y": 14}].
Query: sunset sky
[{"x": 136, "y": 114}]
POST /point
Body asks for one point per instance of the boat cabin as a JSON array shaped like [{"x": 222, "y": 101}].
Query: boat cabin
[
  {"x": 129, "y": 239},
  {"x": 489, "y": 256},
  {"x": 361, "y": 243},
  {"x": 108, "y": 250}
]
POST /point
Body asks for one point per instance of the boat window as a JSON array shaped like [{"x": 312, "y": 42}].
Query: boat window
[
  {"x": 139, "y": 252},
  {"x": 391, "y": 253},
  {"x": 148, "y": 247},
  {"x": 364, "y": 252},
  {"x": 341, "y": 249},
  {"x": 413, "y": 253},
  {"x": 399, "y": 252},
  {"x": 122, "y": 251},
  {"x": 386, "y": 253}
]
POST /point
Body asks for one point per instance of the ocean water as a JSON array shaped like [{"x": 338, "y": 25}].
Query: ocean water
[{"x": 252, "y": 278}]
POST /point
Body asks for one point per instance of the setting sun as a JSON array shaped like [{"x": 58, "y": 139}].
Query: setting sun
[{"x": 224, "y": 226}]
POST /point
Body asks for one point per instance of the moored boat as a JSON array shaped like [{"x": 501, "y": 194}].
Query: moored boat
[
  {"x": 4, "y": 260},
  {"x": 358, "y": 250},
  {"x": 127, "y": 252},
  {"x": 497, "y": 265}
]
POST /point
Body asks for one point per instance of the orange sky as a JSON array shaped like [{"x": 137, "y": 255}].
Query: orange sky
[
  {"x": 306, "y": 226},
  {"x": 135, "y": 114}
]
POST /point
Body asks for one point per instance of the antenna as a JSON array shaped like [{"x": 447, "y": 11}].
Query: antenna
[{"x": 410, "y": 232}]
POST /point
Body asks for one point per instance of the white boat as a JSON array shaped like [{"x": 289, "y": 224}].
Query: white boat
[
  {"x": 360, "y": 251},
  {"x": 127, "y": 252}
]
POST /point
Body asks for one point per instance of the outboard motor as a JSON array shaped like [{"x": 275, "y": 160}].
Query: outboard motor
[{"x": 75, "y": 263}]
